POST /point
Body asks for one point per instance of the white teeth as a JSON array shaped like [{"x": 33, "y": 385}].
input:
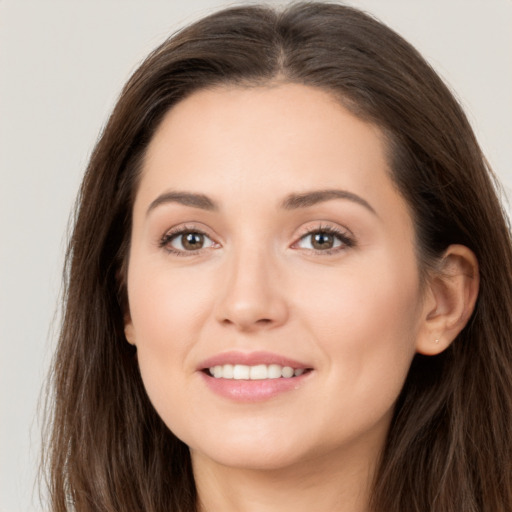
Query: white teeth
[
  {"x": 240, "y": 371},
  {"x": 287, "y": 372},
  {"x": 258, "y": 372},
  {"x": 227, "y": 371},
  {"x": 274, "y": 371}
]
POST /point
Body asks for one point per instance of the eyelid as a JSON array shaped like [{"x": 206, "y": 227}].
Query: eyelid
[
  {"x": 324, "y": 225},
  {"x": 181, "y": 229},
  {"x": 343, "y": 234}
]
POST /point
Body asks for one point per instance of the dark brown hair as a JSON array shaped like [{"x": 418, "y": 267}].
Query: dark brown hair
[{"x": 449, "y": 447}]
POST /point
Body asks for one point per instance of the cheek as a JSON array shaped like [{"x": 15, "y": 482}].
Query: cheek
[
  {"x": 366, "y": 321},
  {"x": 166, "y": 303},
  {"x": 168, "y": 309},
  {"x": 366, "y": 330}
]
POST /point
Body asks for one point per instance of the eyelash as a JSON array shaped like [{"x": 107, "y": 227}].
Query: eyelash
[
  {"x": 346, "y": 240},
  {"x": 169, "y": 236}
]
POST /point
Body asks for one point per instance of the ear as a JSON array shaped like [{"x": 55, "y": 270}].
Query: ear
[
  {"x": 449, "y": 301},
  {"x": 129, "y": 332}
]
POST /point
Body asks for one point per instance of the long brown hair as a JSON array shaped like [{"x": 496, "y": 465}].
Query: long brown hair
[{"x": 449, "y": 447}]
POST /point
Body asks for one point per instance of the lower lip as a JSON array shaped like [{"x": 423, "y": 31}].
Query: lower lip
[{"x": 253, "y": 390}]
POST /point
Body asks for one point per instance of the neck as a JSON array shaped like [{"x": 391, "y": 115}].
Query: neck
[{"x": 320, "y": 485}]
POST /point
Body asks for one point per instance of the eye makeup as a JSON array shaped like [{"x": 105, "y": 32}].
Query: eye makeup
[
  {"x": 189, "y": 240},
  {"x": 186, "y": 240},
  {"x": 325, "y": 240}
]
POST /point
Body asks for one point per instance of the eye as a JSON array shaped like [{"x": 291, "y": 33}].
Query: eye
[
  {"x": 186, "y": 240},
  {"x": 325, "y": 240}
]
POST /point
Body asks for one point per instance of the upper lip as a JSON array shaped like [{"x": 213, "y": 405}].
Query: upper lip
[{"x": 251, "y": 359}]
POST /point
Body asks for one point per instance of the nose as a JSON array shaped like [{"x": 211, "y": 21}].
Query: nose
[{"x": 252, "y": 297}]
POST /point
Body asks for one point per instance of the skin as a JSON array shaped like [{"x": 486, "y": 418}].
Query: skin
[{"x": 356, "y": 314}]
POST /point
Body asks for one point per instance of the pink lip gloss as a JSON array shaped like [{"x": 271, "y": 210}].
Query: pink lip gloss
[
  {"x": 252, "y": 377},
  {"x": 253, "y": 390}
]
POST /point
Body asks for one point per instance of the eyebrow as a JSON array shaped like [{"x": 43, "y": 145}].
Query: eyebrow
[
  {"x": 291, "y": 202},
  {"x": 186, "y": 198},
  {"x": 307, "y": 199}
]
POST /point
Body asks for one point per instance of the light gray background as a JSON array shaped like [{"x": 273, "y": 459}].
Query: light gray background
[{"x": 62, "y": 65}]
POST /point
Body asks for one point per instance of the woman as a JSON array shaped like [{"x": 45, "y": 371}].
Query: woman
[{"x": 289, "y": 283}]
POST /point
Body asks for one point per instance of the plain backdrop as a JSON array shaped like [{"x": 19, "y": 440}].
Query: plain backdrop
[{"x": 62, "y": 65}]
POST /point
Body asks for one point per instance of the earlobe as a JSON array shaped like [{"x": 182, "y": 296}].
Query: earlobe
[
  {"x": 129, "y": 331},
  {"x": 450, "y": 300}
]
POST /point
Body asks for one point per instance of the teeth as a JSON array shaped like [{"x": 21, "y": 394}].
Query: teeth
[
  {"x": 240, "y": 371},
  {"x": 274, "y": 371},
  {"x": 287, "y": 372},
  {"x": 227, "y": 371},
  {"x": 258, "y": 372}
]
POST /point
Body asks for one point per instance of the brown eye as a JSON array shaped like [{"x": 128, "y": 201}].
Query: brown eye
[
  {"x": 187, "y": 241},
  {"x": 192, "y": 241},
  {"x": 322, "y": 240}
]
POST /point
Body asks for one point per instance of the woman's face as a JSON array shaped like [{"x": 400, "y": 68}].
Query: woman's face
[{"x": 269, "y": 240}]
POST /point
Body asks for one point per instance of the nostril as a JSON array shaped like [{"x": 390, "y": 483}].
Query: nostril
[{"x": 260, "y": 322}]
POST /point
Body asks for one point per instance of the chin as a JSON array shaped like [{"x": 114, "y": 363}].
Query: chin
[
  {"x": 252, "y": 451},
  {"x": 252, "y": 458}
]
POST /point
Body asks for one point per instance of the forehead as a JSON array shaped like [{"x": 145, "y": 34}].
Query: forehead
[
  {"x": 266, "y": 141},
  {"x": 263, "y": 117}
]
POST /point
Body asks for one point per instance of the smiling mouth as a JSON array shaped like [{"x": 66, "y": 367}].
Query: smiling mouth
[{"x": 257, "y": 372}]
